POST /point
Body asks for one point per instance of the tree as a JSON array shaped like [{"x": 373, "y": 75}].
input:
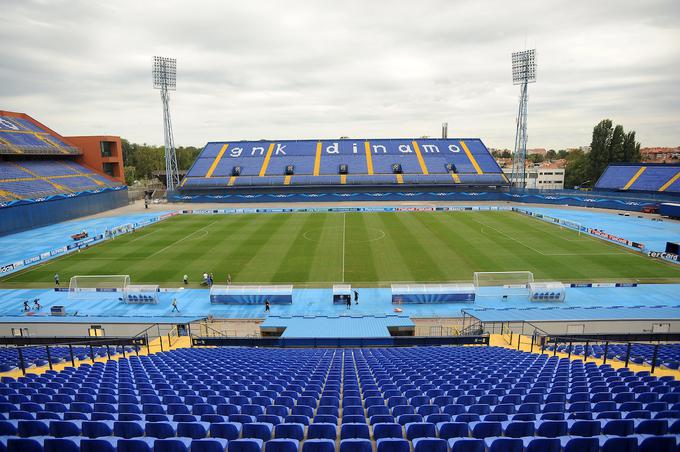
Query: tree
[
  {"x": 550, "y": 155},
  {"x": 616, "y": 145},
  {"x": 576, "y": 171},
  {"x": 562, "y": 154},
  {"x": 506, "y": 154},
  {"x": 610, "y": 144},
  {"x": 631, "y": 149},
  {"x": 598, "y": 158}
]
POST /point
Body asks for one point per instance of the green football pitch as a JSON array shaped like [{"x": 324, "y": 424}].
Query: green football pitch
[{"x": 367, "y": 249}]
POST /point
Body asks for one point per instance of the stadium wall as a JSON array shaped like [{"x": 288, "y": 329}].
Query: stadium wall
[
  {"x": 434, "y": 193},
  {"x": 25, "y": 216}
]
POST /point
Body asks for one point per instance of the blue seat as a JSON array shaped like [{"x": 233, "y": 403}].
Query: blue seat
[
  {"x": 355, "y": 445},
  {"x": 209, "y": 445},
  {"x": 504, "y": 445},
  {"x": 194, "y": 430},
  {"x": 128, "y": 429},
  {"x": 585, "y": 428},
  {"x": 96, "y": 429},
  {"x": 61, "y": 429},
  {"x": 649, "y": 427},
  {"x": 542, "y": 445},
  {"x": 619, "y": 427},
  {"x": 408, "y": 418},
  {"x": 160, "y": 430},
  {"x": 483, "y": 430},
  {"x": 172, "y": 445},
  {"x": 24, "y": 445},
  {"x": 259, "y": 430},
  {"x": 354, "y": 430},
  {"x": 420, "y": 430},
  {"x": 61, "y": 445},
  {"x": 448, "y": 430},
  {"x": 318, "y": 445},
  {"x": 135, "y": 445},
  {"x": 658, "y": 444},
  {"x": 98, "y": 444},
  {"x": 430, "y": 445},
  {"x": 245, "y": 445},
  {"x": 26, "y": 429},
  {"x": 392, "y": 445},
  {"x": 579, "y": 444},
  {"x": 323, "y": 430},
  {"x": 387, "y": 430},
  {"x": 551, "y": 429},
  {"x": 226, "y": 430},
  {"x": 292, "y": 431},
  {"x": 466, "y": 445},
  {"x": 282, "y": 445},
  {"x": 619, "y": 444}
]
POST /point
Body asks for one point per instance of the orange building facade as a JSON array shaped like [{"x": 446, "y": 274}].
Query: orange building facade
[{"x": 103, "y": 153}]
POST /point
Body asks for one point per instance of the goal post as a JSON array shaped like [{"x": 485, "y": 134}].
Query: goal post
[
  {"x": 508, "y": 283},
  {"x": 88, "y": 286},
  {"x": 573, "y": 225}
]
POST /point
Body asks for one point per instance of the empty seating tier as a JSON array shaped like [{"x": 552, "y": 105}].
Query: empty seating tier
[
  {"x": 641, "y": 177},
  {"x": 382, "y": 399},
  {"x": 344, "y": 162},
  {"x": 22, "y": 136},
  {"x": 27, "y": 179}
]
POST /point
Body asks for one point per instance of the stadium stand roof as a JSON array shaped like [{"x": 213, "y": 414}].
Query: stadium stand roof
[
  {"x": 645, "y": 177},
  {"x": 367, "y": 162},
  {"x": 21, "y": 134}
]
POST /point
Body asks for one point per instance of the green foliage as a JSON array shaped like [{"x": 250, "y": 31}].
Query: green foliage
[
  {"x": 551, "y": 155},
  {"x": 562, "y": 154},
  {"x": 535, "y": 158},
  {"x": 610, "y": 145},
  {"x": 576, "y": 171},
  {"x": 145, "y": 159},
  {"x": 130, "y": 175}
]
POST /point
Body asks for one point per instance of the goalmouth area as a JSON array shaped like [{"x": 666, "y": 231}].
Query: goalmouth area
[{"x": 370, "y": 249}]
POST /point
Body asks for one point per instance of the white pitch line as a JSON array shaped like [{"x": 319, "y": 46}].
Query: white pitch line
[
  {"x": 343, "y": 246},
  {"x": 182, "y": 239}
]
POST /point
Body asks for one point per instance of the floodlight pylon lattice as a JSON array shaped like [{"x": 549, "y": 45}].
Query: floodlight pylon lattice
[
  {"x": 523, "y": 73},
  {"x": 165, "y": 79}
]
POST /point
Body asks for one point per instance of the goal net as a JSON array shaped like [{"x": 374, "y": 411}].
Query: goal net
[
  {"x": 502, "y": 283},
  {"x": 91, "y": 286}
]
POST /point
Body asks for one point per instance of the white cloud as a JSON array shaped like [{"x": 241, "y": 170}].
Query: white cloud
[{"x": 321, "y": 69}]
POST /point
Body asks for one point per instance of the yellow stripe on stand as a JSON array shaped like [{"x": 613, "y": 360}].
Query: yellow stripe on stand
[
  {"x": 8, "y": 194},
  {"x": 343, "y": 179},
  {"x": 471, "y": 157},
  {"x": 231, "y": 182},
  {"x": 369, "y": 159},
  {"x": 423, "y": 166},
  {"x": 455, "y": 177},
  {"x": 216, "y": 161},
  {"x": 267, "y": 157},
  {"x": 400, "y": 178},
  {"x": 317, "y": 160},
  {"x": 670, "y": 182},
  {"x": 286, "y": 180},
  {"x": 635, "y": 177}
]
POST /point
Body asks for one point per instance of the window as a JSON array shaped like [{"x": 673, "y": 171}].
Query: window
[
  {"x": 109, "y": 168},
  {"x": 106, "y": 148},
  {"x": 95, "y": 331}
]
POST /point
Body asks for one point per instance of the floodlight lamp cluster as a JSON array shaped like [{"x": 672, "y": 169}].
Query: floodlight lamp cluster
[
  {"x": 524, "y": 67},
  {"x": 164, "y": 73}
]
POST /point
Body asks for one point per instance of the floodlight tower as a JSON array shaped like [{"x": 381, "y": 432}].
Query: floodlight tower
[
  {"x": 165, "y": 79},
  {"x": 523, "y": 73}
]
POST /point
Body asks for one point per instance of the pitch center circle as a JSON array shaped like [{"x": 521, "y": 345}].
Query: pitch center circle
[{"x": 368, "y": 234}]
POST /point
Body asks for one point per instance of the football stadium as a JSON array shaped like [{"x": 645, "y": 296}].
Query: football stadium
[{"x": 333, "y": 295}]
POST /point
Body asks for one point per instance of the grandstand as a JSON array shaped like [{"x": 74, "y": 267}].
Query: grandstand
[
  {"x": 37, "y": 165},
  {"x": 641, "y": 177},
  {"x": 366, "y": 162},
  {"x": 425, "y": 399}
]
